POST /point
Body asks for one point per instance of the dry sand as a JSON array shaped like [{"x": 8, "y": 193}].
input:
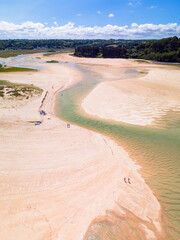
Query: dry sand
[{"x": 55, "y": 180}]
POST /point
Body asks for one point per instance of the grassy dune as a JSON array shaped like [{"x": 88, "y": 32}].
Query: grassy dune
[{"x": 10, "y": 90}]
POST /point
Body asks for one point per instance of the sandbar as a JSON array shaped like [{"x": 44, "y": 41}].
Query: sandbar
[{"x": 54, "y": 180}]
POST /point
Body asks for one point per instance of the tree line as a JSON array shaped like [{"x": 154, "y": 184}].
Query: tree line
[
  {"x": 164, "y": 50},
  {"x": 40, "y": 44},
  {"x": 105, "y": 51},
  {"x": 62, "y": 44}
]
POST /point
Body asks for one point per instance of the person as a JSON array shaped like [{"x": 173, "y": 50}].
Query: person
[
  {"x": 125, "y": 180},
  {"x": 129, "y": 181}
]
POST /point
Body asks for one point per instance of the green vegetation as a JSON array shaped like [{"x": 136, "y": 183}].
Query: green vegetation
[
  {"x": 164, "y": 50},
  {"x": 52, "y": 61},
  {"x": 107, "y": 49},
  {"x": 55, "y": 44},
  {"x": 1, "y": 91},
  {"x": 99, "y": 55},
  {"x": 14, "y": 53},
  {"x": 106, "y": 52},
  {"x": 87, "y": 51},
  {"x": 16, "y": 69},
  {"x": 10, "y": 90}
]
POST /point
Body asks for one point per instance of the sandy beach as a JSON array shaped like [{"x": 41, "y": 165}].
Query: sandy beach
[{"x": 55, "y": 181}]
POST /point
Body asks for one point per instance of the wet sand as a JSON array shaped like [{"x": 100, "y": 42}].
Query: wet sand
[{"x": 56, "y": 180}]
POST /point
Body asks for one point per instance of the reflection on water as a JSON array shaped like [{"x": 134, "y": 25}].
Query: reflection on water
[{"x": 157, "y": 150}]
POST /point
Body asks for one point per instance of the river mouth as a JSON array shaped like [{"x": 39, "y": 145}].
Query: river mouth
[{"x": 157, "y": 150}]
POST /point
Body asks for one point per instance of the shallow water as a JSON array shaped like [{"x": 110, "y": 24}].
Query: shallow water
[
  {"x": 19, "y": 61},
  {"x": 131, "y": 72},
  {"x": 157, "y": 150}
]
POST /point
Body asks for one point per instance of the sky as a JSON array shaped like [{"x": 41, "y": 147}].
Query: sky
[{"x": 89, "y": 19}]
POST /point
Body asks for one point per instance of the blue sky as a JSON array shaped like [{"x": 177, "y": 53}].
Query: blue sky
[{"x": 103, "y": 18}]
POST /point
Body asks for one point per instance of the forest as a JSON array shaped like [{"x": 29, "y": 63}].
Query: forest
[
  {"x": 62, "y": 44},
  {"x": 104, "y": 51},
  {"x": 164, "y": 50}
]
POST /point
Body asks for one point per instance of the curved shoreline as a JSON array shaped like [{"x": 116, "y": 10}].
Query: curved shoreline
[
  {"x": 157, "y": 223},
  {"x": 63, "y": 179}
]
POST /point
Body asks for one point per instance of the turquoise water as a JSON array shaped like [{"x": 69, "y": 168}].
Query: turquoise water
[{"x": 157, "y": 150}]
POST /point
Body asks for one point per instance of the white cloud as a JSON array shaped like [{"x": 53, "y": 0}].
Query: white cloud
[
  {"x": 31, "y": 30},
  {"x": 55, "y": 23},
  {"x": 98, "y": 12},
  {"x": 79, "y": 15},
  {"x": 111, "y": 15},
  {"x": 134, "y": 25},
  {"x": 134, "y": 3},
  {"x": 152, "y": 7}
]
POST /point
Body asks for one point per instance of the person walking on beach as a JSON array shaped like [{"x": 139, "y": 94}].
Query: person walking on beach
[{"x": 125, "y": 180}]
